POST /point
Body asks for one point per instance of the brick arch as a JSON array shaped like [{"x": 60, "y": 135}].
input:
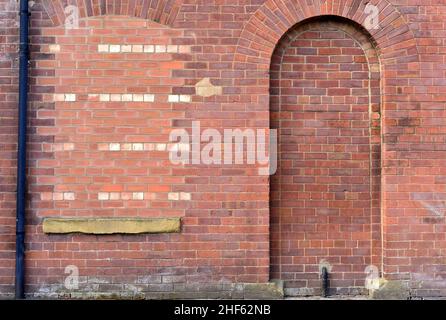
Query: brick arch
[
  {"x": 305, "y": 197},
  {"x": 358, "y": 34},
  {"x": 160, "y": 11},
  {"x": 395, "y": 45},
  {"x": 394, "y": 39}
]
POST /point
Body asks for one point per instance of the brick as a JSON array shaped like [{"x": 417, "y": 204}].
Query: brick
[
  {"x": 149, "y": 48},
  {"x": 103, "y": 196},
  {"x": 54, "y": 48},
  {"x": 138, "y": 196},
  {"x": 114, "y": 48},
  {"x": 138, "y": 146},
  {"x": 160, "y": 48},
  {"x": 185, "y": 196},
  {"x": 174, "y": 98},
  {"x": 126, "y": 80},
  {"x": 149, "y": 98},
  {"x": 114, "y": 147},
  {"x": 103, "y": 48},
  {"x": 104, "y": 97},
  {"x": 68, "y": 196},
  {"x": 173, "y": 196},
  {"x": 321, "y": 196}
]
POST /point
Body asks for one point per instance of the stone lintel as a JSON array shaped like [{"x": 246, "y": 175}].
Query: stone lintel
[{"x": 113, "y": 225}]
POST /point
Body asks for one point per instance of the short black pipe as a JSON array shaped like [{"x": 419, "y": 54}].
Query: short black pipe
[
  {"x": 325, "y": 282},
  {"x": 21, "y": 151}
]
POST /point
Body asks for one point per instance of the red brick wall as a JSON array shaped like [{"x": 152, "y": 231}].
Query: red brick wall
[
  {"x": 121, "y": 85},
  {"x": 226, "y": 230},
  {"x": 8, "y": 138},
  {"x": 110, "y": 150},
  {"x": 324, "y": 97}
]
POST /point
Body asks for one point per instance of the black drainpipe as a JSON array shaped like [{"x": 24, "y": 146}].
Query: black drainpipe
[
  {"x": 325, "y": 282},
  {"x": 21, "y": 152}
]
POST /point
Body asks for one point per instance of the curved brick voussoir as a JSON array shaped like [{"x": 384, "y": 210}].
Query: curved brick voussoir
[
  {"x": 163, "y": 11},
  {"x": 388, "y": 30}
]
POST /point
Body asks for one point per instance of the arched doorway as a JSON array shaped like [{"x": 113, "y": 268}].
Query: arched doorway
[{"x": 325, "y": 195}]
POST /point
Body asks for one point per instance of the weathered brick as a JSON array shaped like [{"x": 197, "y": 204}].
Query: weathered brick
[{"x": 104, "y": 97}]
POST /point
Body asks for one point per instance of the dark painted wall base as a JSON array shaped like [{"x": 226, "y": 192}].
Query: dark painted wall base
[{"x": 163, "y": 291}]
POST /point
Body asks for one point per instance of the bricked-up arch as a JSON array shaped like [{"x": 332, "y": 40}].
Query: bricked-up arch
[
  {"x": 396, "y": 42},
  {"x": 325, "y": 195},
  {"x": 399, "y": 61},
  {"x": 160, "y": 11}
]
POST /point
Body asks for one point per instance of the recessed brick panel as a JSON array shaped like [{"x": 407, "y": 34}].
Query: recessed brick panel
[{"x": 323, "y": 194}]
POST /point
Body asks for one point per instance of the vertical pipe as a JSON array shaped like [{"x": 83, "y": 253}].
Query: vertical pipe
[
  {"x": 325, "y": 282},
  {"x": 21, "y": 152}
]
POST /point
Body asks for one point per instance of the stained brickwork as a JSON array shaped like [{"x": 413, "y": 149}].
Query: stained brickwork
[
  {"x": 105, "y": 94},
  {"x": 325, "y": 195}
]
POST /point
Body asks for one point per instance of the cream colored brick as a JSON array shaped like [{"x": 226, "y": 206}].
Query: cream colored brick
[
  {"x": 185, "y": 98},
  {"x": 172, "y": 48},
  {"x": 103, "y": 48},
  {"x": 137, "y": 48},
  {"x": 57, "y": 196},
  {"x": 149, "y": 48},
  {"x": 70, "y": 97},
  {"x": 54, "y": 48},
  {"x": 115, "y": 147},
  {"x": 149, "y": 98},
  {"x": 115, "y": 196},
  {"x": 138, "y": 97},
  {"x": 160, "y": 147},
  {"x": 127, "y": 97},
  {"x": 173, "y": 196},
  {"x": 115, "y": 97},
  {"x": 104, "y": 97},
  {"x": 185, "y": 196},
  {"x": 138, "y": 147},
  {"x": 126, "y": 196},
  {"x": 68, "y": 146},
  {"x": 103, "y": 196},
  {"x": 59, "y": 97},
  {"x": 138, "y": 195},
  {"x": 127, "y": 146},
  {"x": 115, "y": 48},
  {"x": 68, "y": 196},
  {"x": 126, "y": 48},
  {"x": 160, "y": 49},
  {"x": 173, "y": 98},
  {"x": 149, "y": 146}
]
